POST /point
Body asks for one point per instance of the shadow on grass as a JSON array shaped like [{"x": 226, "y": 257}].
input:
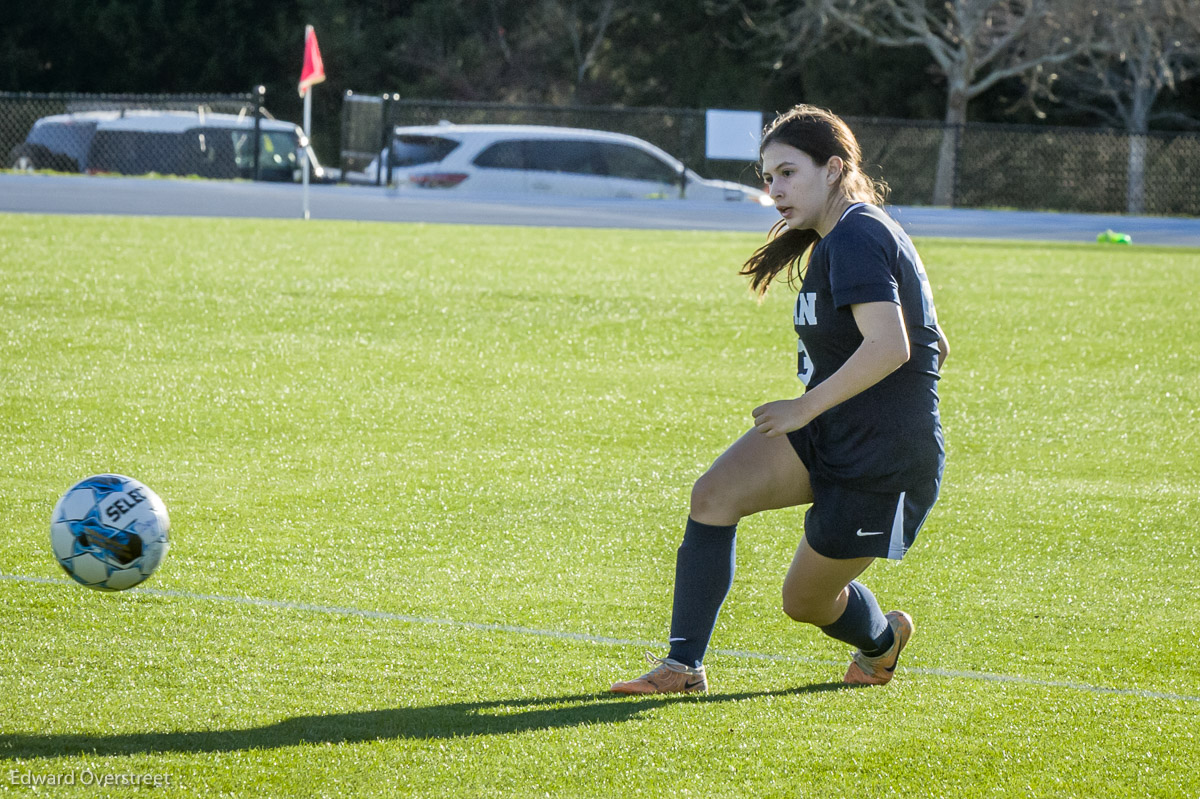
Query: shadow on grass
[{"x": 456, "y": 720}]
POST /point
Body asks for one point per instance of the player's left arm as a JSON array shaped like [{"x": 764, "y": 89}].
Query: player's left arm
[
  {"x": 943, "y": 347},
  {"x": 883, "y": 350}
]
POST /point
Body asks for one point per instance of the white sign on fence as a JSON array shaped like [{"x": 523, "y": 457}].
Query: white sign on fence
[{"x": 732, "y": 135}]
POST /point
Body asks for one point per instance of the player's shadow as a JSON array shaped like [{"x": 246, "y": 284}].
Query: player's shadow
[{"x": 456, "y": 720}]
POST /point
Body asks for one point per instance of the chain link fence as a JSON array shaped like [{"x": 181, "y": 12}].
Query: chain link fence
[
  {"x": 1087, "y": 170},
  {"x": 232, "y": 136},
  {"x": 210, "y": 136},
  {"x": 997, "y": 166}
]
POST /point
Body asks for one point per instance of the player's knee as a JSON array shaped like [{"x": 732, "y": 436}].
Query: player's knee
[
  {"x": 712, "y": 502},
  {"x": 795, "y": 609},
  {"x": 803, "y": 606}
]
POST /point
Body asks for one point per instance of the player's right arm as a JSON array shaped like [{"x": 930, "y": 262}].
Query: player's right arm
[{"x": 883, "y": 350}]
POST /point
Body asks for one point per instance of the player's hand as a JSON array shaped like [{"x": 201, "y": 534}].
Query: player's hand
[{"x": 781, "y": 417}]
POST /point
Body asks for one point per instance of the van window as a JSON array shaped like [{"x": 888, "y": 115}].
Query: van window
[
  {"x": 632, "y": 162},
  {"x": 575, "y": 157},
  {"x": 208, "y": 152},
  {"x": 127, "y": 152},
  {"x": 415, "y": 150},
  {"x": 503, "y": 155}
]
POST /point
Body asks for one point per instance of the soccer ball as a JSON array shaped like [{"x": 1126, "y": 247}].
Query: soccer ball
[{"x": 109, "y": 532}]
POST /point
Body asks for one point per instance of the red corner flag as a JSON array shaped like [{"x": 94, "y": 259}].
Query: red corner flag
[{"x": 314, "y": 68}]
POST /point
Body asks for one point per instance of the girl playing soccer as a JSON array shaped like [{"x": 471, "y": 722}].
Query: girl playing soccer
[{"x": 862, "y": 445}]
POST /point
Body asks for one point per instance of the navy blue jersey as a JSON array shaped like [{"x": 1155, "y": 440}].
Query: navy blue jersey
[{"x": 889, "y": 437}]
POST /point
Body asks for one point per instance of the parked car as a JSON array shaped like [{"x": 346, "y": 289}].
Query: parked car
[
  {"x": 137, "y": 142},
  {"x": 541, "y": 160}
]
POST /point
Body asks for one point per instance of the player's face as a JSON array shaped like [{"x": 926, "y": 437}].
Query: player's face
[{"x": 799, "y": 187}]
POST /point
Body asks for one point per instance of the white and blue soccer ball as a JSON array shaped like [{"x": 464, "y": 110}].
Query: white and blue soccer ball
[{"x": 109, "y": 532}]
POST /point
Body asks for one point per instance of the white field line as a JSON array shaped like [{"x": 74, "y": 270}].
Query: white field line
[{"x": 607, "y": 641}]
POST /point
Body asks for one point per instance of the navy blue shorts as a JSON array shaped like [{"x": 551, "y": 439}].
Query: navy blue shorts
[{"x": 847, "y": 522}]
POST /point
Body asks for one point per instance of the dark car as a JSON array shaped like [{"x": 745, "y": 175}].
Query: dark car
[{"x": 165, "y": 143}]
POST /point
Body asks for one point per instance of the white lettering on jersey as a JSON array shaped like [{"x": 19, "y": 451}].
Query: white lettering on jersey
[
  {"x": 806, "y": 308},
  {"x": 804, "y": 364}
]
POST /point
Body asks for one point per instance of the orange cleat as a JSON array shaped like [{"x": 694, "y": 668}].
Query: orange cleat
[
  {"x": 668, "y": 677},
  {"x": 880, "y": 670}
]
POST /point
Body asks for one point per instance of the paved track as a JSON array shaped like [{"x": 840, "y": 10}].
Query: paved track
[{"x": 115, "y": 195}]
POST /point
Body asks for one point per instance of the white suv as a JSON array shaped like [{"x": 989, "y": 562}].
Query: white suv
[{"x": 542, "y": 160}]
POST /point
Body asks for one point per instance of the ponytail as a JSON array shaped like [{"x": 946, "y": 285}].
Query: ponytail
[{"x": 784, "y": 250}]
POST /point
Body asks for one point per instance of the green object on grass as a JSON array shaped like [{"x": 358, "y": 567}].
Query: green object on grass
[{"x": 1112, "y": 237}]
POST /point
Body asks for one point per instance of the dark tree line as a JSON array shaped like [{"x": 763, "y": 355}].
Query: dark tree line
[{"x": 679, "y": 53}]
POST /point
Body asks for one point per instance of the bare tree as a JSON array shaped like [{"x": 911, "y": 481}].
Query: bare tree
[
  {"x": 586, "y": 32},
  {"x": 1142, "y": 49},
  {"x": 974, "y": 44}
]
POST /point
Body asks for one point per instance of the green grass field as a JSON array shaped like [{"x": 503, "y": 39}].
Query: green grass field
[{"x": 426, "y": 485}]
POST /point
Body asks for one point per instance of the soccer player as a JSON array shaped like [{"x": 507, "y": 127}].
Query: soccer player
[{"x": 862, "y": 445}]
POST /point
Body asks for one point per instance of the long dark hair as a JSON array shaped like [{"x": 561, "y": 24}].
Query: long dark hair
[{"x": 822, "y": 135}]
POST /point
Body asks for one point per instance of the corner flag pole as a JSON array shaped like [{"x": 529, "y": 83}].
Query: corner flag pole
[
  {"x": 304, "y": 152},
  {"x": 312, "y": 72}
]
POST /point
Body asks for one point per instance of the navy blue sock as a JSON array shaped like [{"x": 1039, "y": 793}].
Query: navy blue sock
[
  {"x": 704, "y": 569},
  {"x": 863, "y": 624}
]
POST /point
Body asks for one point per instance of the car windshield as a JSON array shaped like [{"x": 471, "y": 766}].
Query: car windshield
[
  {"x": 277, "y": 149},
  {"x": 412, "y": 150}
]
